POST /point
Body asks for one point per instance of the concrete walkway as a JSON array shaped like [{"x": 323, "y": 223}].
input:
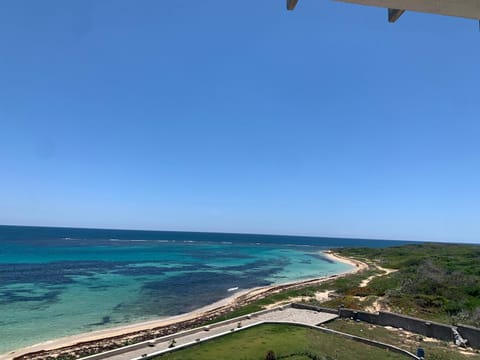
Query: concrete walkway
[{"x": 280, "y": 314}]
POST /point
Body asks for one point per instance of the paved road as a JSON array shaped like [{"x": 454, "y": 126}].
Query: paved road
[{"x": 289, "y": 314}]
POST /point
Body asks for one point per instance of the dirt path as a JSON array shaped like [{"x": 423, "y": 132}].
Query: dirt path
[
  {"x": 376, "y": 305},
  {"x": 386, "y": 271}
]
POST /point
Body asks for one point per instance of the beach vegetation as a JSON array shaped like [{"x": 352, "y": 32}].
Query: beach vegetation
[
  {"x": 432, "y": 281},
  {"x": 305, "y": 294},
  {"x": 439, "y": 282}
]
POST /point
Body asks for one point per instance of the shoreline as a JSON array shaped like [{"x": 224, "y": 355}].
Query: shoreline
[{"x": 103, "y": 339}]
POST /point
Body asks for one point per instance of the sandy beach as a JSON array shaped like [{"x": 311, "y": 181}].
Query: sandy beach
[{"x": 111, "y": 338}]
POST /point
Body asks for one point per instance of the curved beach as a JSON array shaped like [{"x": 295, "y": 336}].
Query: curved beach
[{"x": 103, "y": 339}]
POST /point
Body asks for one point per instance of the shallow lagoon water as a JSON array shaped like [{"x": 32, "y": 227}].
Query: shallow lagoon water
[{"x": 54, "y": 283}]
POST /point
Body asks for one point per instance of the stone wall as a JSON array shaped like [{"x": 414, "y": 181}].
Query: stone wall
[
  {"x": 415, "y": 325},
  {"x": 314, "y": 308},
  {"x": 471, "y": 334}
]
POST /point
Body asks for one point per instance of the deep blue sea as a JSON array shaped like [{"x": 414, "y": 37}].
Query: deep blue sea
[{"x": 56, "y": 282}]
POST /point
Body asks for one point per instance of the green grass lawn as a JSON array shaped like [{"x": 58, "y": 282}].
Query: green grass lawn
[
  {"x": 437, "y": 350},
  {"x": 287, "y": 341}
]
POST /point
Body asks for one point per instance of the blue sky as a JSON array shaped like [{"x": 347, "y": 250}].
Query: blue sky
[{"x": 240, "y": 117}]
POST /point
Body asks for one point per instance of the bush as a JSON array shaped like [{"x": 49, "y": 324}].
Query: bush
[{"x": 270, "y": 356}]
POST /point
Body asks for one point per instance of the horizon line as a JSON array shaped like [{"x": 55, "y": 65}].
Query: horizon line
[{"x": 239, "y": 233}]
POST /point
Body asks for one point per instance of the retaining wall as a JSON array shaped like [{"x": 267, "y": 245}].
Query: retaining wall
[
  {"x": 128, "y": 348},
  {"x": 415, "y": 325},
  {"x": 418, "y": 326},
  {"x": 314, "y": 308},
  {"x": 471, "y": 334},
  {"x": 325, "y": 330}
]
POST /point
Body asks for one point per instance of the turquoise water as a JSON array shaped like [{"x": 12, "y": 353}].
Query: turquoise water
[{"x": 58, "y": 282}]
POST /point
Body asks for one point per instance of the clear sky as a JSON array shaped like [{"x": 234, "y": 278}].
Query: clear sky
[{"x": 239, "y": 116}]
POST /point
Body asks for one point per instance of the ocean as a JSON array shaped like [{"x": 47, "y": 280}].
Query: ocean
[{"x": 56, "y": 282}]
